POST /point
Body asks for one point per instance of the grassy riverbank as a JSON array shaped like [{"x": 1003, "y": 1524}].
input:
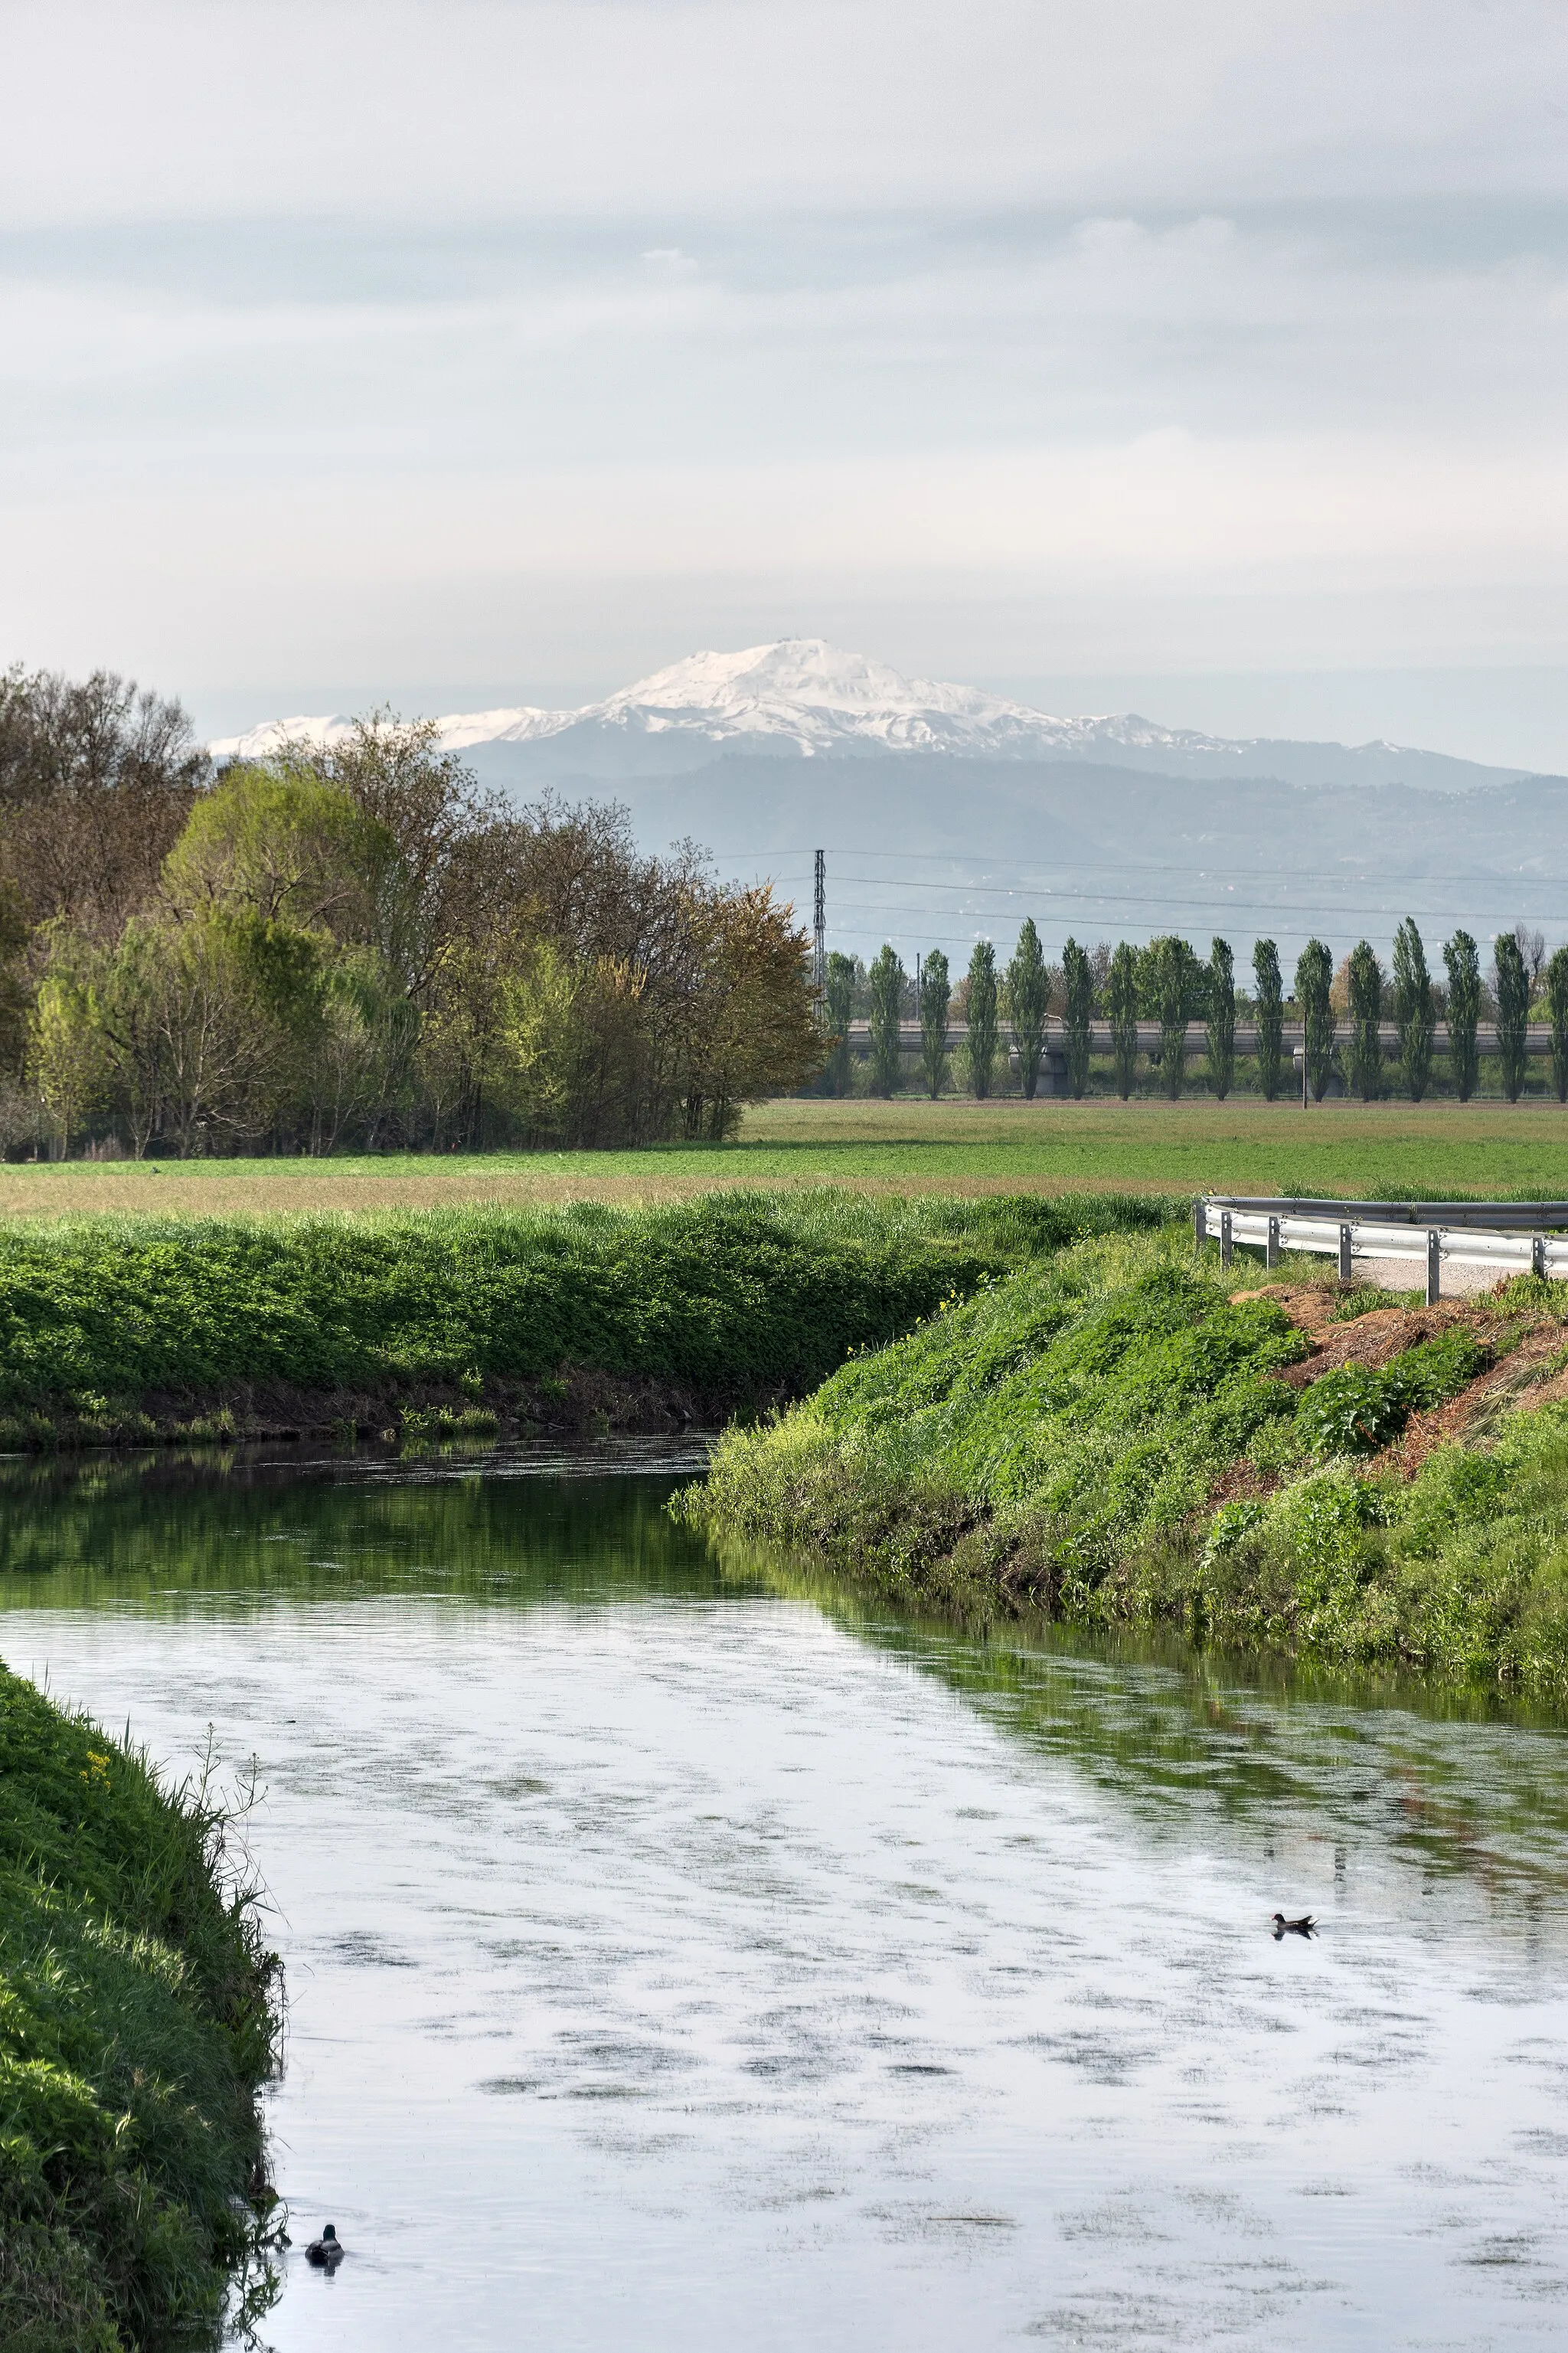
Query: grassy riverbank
[
  {"x": 1114, "y": 1436},
  {"x": 124, "y": 1330},
  {"x": 138, "y": 2016}
]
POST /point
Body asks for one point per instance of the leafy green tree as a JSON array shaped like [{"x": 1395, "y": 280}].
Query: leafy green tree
[
  {"x": 66, "y": 1050},
  {"x": 1078, "y": 978},
  {"x": 887, "y": 985},
  {"x": 1512, "y": 977},
  {"x": 980, "y": 1015},
  {"x": 1365, "y": 979},
  {"x": 1462, "y": 958},
  {"x": 1315, "y": 978},
  {"x": 839, "y": 994},
  {"x": 282, "y": 841},
  {"x": 1269, "y": 1002},
  {"x": 1171, "y": 976},
  {"x": 1121, "y": 1005},
  {"x": 1557, "y": 1005},
  {"x": 1028, "y": 995},
  {"x": 936, "y": 997},
  {"x": 1413, "y": 1009},
  {"x": 1222, "y": 1018}
]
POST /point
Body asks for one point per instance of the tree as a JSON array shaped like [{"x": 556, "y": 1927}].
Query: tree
[
  {"x": 936, "y": 996},
  {"x": 1314, "y": 978},
  {"x": 1532, "y": 948},
  {"x": 754, "y": 1028},
  {"x": 981, "y": 1016},
  {"x": 1463, "y": 960},
  {"x": 1222, "y": 1018},
  {"x": 1557, "y": 1004},
  {"x": 1511, "y": 975},
  {"x": 839, "y": 995},
  {"x": 97, "y": 778},
  {"x": 1365, "y": 979},
  {"x": 1171, "y": 970},
  {"x": 13, "y": 990},
  {"x": 886, "y": 979},
  {"x": 278, "y": 840},
  {"x": 1028, "y": 996},
  {"x": 1270, "y": 1010},
  {"x": 1077, "y": 988},
  {"x": 1413, "y": 1009},
  {"x": 1121, "y": 1004},
  {"x": 66, "y": 1054}
]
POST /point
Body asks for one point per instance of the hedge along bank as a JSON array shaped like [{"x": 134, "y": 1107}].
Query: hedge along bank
[
  {"x": 139, "y": 2014},
  {"x": 115, "y": 1329},
  {"x": 1117, "y": 1436}
]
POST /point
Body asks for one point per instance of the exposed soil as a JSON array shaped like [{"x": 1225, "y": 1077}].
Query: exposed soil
[{"x": 1532, "y": 1364}]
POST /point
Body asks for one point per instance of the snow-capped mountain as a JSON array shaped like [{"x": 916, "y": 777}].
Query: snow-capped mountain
[{"x": 804, "y": 699}]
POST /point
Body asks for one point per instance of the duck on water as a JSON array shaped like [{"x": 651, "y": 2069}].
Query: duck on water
[
  {"x": 1304, "y": 1926},
  {"x": 327, "y": 2252}
]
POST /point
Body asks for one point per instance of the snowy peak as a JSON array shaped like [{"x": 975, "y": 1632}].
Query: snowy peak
[{"x": 805, "y": 698}]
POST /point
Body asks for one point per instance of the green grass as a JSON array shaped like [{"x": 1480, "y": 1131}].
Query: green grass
[
  {"x": 1338, "y": 1148},
  {"x": 1057, "y": 1440},
  {"x": 738, "y": 1295},
  {"x": 137, "y": 2018}
]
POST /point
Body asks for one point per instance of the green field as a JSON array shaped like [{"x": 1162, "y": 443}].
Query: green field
[{"x": 1340, "y": 1148}]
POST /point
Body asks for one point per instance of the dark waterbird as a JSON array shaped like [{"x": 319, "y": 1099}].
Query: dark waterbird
[
  {"x": 1302, "y": 1927},
  {"x": 327, "y": 2252}
]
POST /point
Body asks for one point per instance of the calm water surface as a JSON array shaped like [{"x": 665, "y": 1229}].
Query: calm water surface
[{"x": 681, "y": 1959}]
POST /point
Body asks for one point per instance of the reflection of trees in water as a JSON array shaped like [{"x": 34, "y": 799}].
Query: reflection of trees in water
[
  {"x": 1454, "y": 1784},
  {"x": 167, "y": 1526}
]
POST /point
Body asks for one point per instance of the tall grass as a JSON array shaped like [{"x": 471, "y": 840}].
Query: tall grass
[{"x": 138, "y": 2015}]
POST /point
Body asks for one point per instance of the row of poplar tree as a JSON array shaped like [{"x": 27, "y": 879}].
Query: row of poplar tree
[{"x": 1169, "y": 983}]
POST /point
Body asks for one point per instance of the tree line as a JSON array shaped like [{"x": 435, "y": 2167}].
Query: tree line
[
  {"x": 1169, "y": 983},
  {"x": 354, "y": 946}
]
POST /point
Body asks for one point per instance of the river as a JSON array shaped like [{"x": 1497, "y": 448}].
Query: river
[{"x": 680, "y": 1955}]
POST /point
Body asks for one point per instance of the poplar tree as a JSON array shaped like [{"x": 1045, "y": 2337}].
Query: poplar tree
[
  {"x": 1270, "y": 1004},
  {"x": 1028, "y": 995},
  {"x": 1121, "y": 1004},
  {"x": 887, "y": 983},
  {"x": 981, "y": 1017},
  {"x": 1078, "y": 990},
  {"x": 936, "y": 996},
  {"x": 1557, "y": 1002},
  {"x": 1463, "y": 959},
  {"x": 1222, "y": 1018},
  {"x": 1513, "y": 977},
  {"x": 1413, "y": 1009},
  {"x": 1314, "y": 976},
  {"x": 1365, "y": 977},
  {"x": 839, "y": 996},
  {"x": 1171, "y": 970}
]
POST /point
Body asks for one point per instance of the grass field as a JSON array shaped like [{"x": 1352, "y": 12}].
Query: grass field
[{"x": 1340, "y": 1148}]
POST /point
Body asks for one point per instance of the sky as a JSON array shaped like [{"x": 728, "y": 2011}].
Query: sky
[{"x": 1202, "y": 359}]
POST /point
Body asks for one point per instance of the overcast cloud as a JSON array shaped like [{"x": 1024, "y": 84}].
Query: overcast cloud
[{"x": 466, "y": 353}]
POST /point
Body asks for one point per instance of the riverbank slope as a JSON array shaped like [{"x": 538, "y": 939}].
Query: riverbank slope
[
  {"x": 139, "y": 2015},
  {"x": 1119, "y": 1434},
  {"x": 126, "y": 1331}
]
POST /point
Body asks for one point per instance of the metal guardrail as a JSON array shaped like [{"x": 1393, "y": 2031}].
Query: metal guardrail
[{"x": 1512, "y": 1237}]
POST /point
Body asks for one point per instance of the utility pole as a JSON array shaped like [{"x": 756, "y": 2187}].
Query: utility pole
[{"x": 820, "y": 912}]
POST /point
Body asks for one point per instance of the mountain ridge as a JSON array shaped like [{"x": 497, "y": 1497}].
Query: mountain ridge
[{"x": 801, "y": 698}]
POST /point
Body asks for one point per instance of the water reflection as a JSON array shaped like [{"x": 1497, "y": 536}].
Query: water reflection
[{"x": 683, "y": 1954}]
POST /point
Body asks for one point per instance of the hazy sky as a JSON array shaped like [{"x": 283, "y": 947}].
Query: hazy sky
[{"x": 1210, "y": 356}]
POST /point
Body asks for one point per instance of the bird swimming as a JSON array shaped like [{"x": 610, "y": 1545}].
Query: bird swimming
[
  {"x": 1302, "y": 1927},
  {"x": 327, "y": 2252}
]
